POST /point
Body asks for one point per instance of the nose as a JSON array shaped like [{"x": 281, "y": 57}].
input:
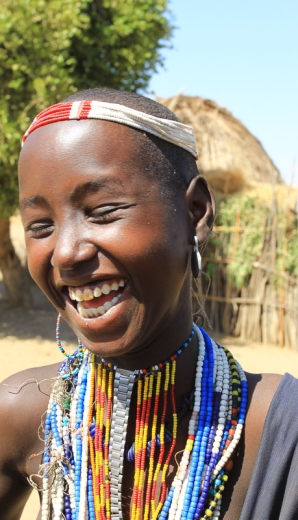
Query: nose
[{"x": 72, "y": 249}]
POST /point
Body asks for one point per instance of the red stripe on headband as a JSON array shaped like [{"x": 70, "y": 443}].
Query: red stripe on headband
[{"x": 57, "y": 113}]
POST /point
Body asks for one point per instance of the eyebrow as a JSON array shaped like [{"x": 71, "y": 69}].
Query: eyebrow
[
  {"x": 32, "y": 202},
  {"x": 91, "y": 187},
  {"x": 77, "y": 193}
]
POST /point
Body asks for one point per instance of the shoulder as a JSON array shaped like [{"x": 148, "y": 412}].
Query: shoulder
[
  {"x": 271, "y": 445},
  {"x": 262, "y": 389},
  {"x": 23, "y": 400},
  {"x": 17, "y": 390},
  {"x": 271, "y": 391}
]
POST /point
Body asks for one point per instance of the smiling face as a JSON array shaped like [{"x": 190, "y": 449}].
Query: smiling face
[{"x": 110, "y": 254}]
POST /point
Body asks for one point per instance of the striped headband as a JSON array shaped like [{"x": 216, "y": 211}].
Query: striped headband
[{"x": 171, "y": 131}]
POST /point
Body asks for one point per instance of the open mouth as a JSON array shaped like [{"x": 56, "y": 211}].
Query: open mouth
[{"x": 97, "y": 299}]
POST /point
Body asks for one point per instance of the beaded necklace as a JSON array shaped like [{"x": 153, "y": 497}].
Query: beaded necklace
[{"x": 85, "y": 437}]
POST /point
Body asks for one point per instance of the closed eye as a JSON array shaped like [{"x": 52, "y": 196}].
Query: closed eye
[
  {"x": 108, "y": 214},
  {"x": 39, "y": 229}
]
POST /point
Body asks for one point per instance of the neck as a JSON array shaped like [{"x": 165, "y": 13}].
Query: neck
[
  {"x": 158, "y": 348},
  {"x": 186, "y": 360}
]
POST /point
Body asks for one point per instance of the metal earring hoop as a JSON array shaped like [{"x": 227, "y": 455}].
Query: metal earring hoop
[{"x": 196, "y": 260}]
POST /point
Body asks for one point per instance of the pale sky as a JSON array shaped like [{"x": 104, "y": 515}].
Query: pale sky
[{"x": 243, "y": 55}]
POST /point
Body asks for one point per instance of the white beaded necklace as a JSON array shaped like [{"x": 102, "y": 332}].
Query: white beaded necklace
[{"x": 67, "y": 459}]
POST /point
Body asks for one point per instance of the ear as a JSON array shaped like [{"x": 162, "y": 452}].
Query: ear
[{"x": 201, "y": 207}]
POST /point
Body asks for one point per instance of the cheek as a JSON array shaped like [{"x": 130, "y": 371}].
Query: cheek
[
  {"x": 156, "y": 257},
  {"x": 37, "y": 259},
  {"x": 160, "y": 236}
]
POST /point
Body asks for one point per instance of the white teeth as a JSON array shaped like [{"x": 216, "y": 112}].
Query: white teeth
[
  {"x": 107, "y": 306},
  {"x": 89, "y": 313},
  {"x": 71, "y": 294},
  {"x": 79, "y": 295},
  {"x": 80, "y": 309},
  {"x": 88, "y": 294}
]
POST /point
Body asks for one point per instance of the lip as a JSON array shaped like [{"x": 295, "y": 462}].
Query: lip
[
  {"x": 71, "y": 304},
  {"x": 97, "y": 323},
  {"x": 98, "y": 283},
  {"x": 88, "y": 281},
  {"x": 64, "y": 285}
]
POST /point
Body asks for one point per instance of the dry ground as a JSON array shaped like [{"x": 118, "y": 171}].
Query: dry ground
[{"x": 27, "y": 339}]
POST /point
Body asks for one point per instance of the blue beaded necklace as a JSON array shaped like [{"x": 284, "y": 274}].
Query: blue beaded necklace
[{"x": 219, "y": 409}]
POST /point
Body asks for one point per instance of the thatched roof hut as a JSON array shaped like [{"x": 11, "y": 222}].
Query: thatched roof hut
[{"x": 230, "y": 157}]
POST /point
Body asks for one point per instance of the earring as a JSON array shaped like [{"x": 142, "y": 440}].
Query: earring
[{"x": 196, "y": 260}]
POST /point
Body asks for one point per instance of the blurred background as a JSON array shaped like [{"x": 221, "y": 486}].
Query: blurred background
[{"x": 227, "y": 68}]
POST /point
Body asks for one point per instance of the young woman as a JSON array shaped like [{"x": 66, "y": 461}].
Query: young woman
[{"x": 145, "y": 420}]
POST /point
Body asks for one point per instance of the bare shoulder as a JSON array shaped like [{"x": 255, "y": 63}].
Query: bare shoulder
[
  {"x": 26, "y": 391},
  {"x": 23, "y": 399},
  {"x": 262, "y": 388}
]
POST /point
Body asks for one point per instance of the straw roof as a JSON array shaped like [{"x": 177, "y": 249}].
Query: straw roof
[{"x": 230, "y": 157}]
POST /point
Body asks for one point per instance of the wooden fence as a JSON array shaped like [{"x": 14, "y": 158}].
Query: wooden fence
[{"x": 265, "y": 309}]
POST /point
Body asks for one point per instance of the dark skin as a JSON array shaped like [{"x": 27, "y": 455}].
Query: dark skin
[{"x": 91, "y": 214}]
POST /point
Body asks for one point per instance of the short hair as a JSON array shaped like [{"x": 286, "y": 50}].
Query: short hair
[{"x": 173, "y": 166}]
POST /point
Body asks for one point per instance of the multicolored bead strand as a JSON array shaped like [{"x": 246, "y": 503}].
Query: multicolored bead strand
[
  {"x": 162, "y": 440},
  {"x": 141, "y": 445},
  {"x": 173, "y": 444},
  {"x": 152, "y": 447},
  {"x": 91, "y": 465},
  {"x": 85, "y": 435},
  {"x": 107, "y": 444}
]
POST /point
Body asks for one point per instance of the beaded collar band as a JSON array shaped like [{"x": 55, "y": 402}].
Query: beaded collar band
[
  {"x": 85, "y": 438},
  {"x": 172, "y": 131}
]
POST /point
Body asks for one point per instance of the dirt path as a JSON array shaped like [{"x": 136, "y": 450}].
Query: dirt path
[{"x": 27, "y": 340}]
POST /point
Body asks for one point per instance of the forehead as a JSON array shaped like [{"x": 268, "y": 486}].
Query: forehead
[
  {"x": 80, "y": 149},
  {"x": 76, "y": 142}
]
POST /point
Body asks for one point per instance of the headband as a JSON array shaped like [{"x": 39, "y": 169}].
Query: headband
[{"x": 172, "y": 131}]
